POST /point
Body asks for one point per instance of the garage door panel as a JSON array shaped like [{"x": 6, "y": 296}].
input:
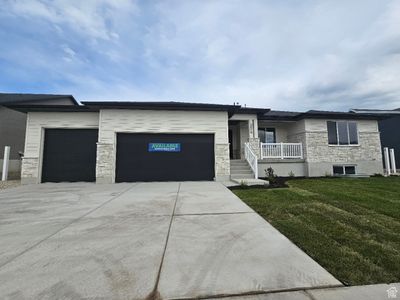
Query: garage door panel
[
  {"x": 69, "y": 155},
  {"x": 194, "y": 161}
]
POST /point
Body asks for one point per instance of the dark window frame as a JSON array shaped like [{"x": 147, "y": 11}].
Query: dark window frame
[
  {"x": 336, "y": 138},
  {"x": 343, "y": 167},
  {"x": 267, "y": 129}
]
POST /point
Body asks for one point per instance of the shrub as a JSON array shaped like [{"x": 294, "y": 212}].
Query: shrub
[
  {"x": 270, "y": 174},
  {"x": 291, "y": 174}
]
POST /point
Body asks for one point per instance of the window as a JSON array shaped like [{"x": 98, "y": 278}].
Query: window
[
  {"x": 267, "y": 135},
  {"x": 338, "y": 170},
  {"x": 344, "y": 170},
  {"x": 342, "y": 133}
]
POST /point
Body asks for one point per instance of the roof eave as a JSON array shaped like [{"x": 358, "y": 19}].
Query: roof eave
[
  {"x": 50, "y": 108},
  {"x": 341, "y": 116}
]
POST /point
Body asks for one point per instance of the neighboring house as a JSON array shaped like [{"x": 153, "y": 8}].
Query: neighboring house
[
  {"x": 111, "y": 142},
  {"x": 13, "y": 125},
  {"x": 389, "y": 129}
]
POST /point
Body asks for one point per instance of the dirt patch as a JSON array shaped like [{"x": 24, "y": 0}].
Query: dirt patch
[{"x": 9, "y": 184}]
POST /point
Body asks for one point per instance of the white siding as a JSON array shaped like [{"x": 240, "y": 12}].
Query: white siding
[
  {"x": 153, "y": 121},
  {"x": 39, "y": 120}
]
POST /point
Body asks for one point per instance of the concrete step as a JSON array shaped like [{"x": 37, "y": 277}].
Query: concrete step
[
  {"x": 242, "y": 176},
  {"x": 247, "y": 171},
  {"x": 240, "y": 168},
  {"x": 237, "y": 162},
  {"x": 240, "y": 165}
]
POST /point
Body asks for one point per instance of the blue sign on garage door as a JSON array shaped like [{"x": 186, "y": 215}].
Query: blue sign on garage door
[{"x": 164, "y": 147}]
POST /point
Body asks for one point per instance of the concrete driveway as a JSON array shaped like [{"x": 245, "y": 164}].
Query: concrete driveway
[{"x": 142, "y": 241}]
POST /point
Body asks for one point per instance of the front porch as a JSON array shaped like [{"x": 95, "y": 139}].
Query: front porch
[
  {"x": 264, "y": 144},
  {"x": 281, "y": 150}
]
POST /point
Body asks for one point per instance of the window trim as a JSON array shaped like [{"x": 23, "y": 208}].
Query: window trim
[
  {"x": 348, "y": 133},
  {"x": 344, "y": 169}
]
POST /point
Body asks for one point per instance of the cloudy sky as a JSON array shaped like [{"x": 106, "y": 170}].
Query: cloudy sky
[{"x": 293, "y": 54}]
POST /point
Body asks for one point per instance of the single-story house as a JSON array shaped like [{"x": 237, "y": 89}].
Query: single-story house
[
  {"x": 13, "y": 125},
  {"x": 388, "y": 128},
  {"x": 113, "y": 141}
]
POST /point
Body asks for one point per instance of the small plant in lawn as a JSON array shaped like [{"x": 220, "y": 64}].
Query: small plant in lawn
[
  {"x": 328, "y": 174},
  {"x": 291, "y": 174},
  {"x": 270, "y": 174},
  {"x": 243, "y": 184}
]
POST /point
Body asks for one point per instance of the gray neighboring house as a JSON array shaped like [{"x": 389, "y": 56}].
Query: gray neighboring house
[
  {"x": 388, "y": 127},
  {"x": 111, "y": 141},
  {"x": 13, "y": 124}
]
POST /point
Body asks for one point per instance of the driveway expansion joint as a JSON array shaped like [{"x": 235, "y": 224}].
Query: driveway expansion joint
[
  {"x": 155, "y": 294},
  {"x": 66, "y": 226}
]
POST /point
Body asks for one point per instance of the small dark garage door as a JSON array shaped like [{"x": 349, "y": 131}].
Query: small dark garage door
[
  {"x": 69, "y": 155},
  {"x": 137, "y": 161}
]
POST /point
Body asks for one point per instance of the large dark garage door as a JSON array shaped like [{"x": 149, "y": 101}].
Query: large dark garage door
[
  {"x": 164, "y": 157},
  {"x": 69, "y": 155}
]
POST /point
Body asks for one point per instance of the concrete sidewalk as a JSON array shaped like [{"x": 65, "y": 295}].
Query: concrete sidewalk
[{"x": 140, "y": 241}]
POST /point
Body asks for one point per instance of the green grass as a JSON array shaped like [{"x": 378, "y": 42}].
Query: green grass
[{"x": 351, "y": 226}]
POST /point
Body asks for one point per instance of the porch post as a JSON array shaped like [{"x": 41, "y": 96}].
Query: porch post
[{"x": 254, "y": 141}]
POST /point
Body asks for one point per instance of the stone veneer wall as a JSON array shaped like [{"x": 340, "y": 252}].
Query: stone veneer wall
[
  {"x": 30, "y": 170},
  {"x": 222, "y": 162},
  {"x": 254, "y": 144},
  {"x": 320, "y": 156},
  {"x": 104, "y": 162},
  {"x": 319, "y": 150}
]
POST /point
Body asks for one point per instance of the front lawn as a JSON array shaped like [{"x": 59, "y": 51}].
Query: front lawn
[{"x": 351, "y": 226}]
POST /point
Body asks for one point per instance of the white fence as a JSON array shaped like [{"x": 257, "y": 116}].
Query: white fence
[
  {"x": 281, "y": 150},
  {"x": 251, "y": 159}
]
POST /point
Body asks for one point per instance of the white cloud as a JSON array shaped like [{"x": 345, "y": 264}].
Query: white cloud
[
  {"x": 280, "y": 54},
  {"x": 88, "y": 17}
]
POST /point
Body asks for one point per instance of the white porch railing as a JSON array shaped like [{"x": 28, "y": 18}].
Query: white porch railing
[
  {"x": 281, "y": 150},
  {"x": 251, "y": 159}
]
